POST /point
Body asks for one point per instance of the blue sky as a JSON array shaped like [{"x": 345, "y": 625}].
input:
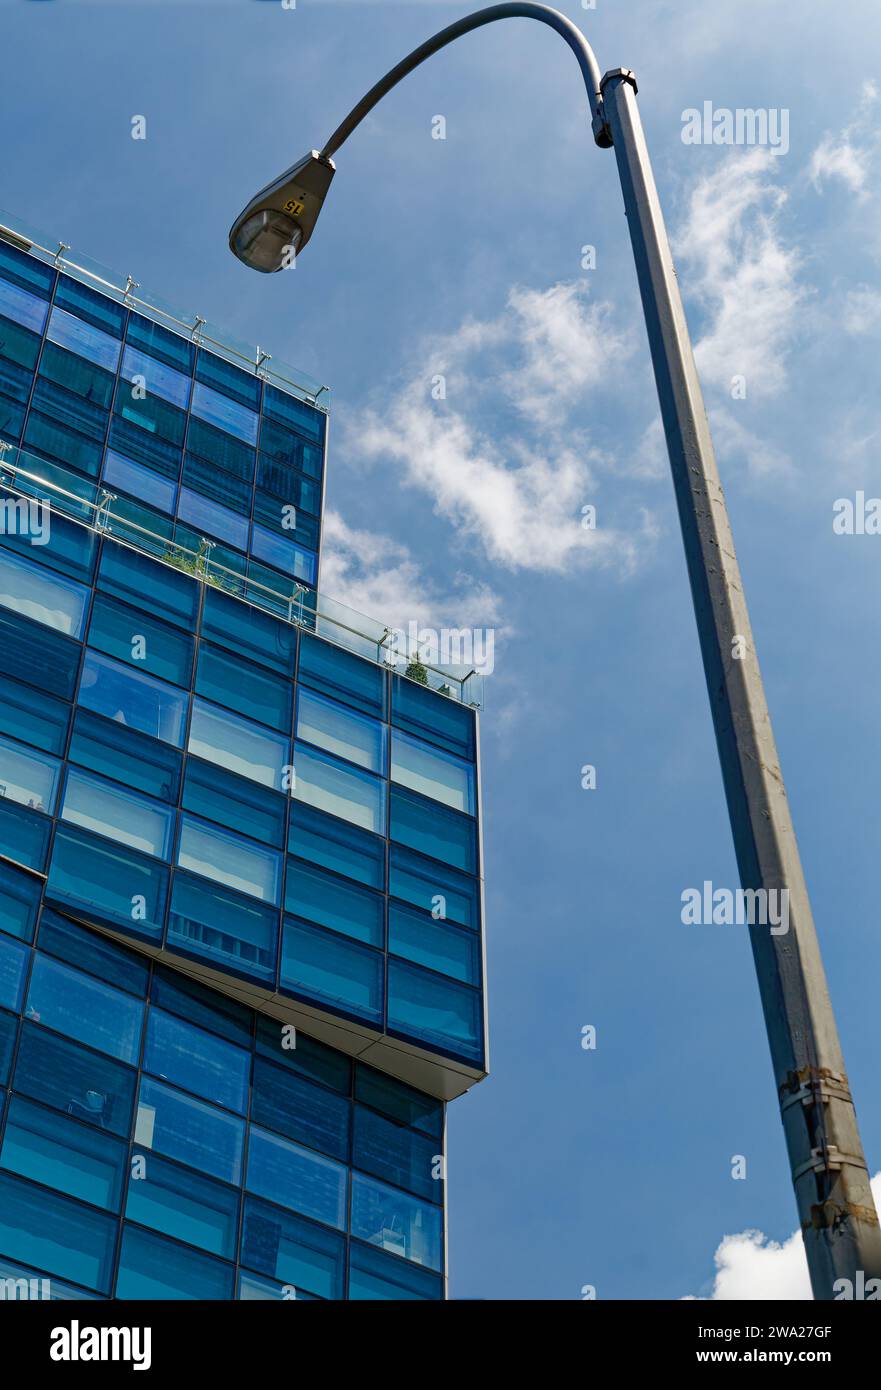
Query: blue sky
[{"x": 462, "y": 257}]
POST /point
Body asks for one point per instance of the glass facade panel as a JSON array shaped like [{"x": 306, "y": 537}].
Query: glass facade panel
[
  {"x": 88, "y": 1010},
  {"x": 425, "y": 1005},
  {"x": 337, "y": 845},
  {"x": 55, "y": 1234},
  {"x": 330, "y": 969},
  {"x": 133, "y": 698},
  {"x": 433, "y": 773},
  {"x": 296, "y": 1252},
  {"x": 341, "y": 731},
  {"x": 329, "y": 785},
  {"x": 295, "y": 1177},
  {"x": 39, "y": 594},
  {"x": 239, "y": 745},
  {"x": 396, "y": 1221},
  {"x": 246, "y": 868},
  {"x": 197, "y": 1060},
  {"x": 231, "y": 931},
  {"x": 344, "y": 907},
  {"x": 57, "y": 1152},
  {"x": 153, "y": 1268},
  {"x": 108, "y": 810},
  {"x": 28, "y": 777},
  {"x": 181, "y": 1127}
]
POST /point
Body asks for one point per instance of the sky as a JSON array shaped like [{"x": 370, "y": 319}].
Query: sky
[{"x": 607, "y": 1168}]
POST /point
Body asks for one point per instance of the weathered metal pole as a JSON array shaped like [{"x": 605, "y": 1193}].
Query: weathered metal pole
[{"x": 837, "y": 1213}]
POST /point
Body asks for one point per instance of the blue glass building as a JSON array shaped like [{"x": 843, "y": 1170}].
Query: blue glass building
[{"x": 241, "y": 961}]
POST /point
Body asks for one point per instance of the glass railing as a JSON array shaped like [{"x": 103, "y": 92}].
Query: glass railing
[
  {"x": 125, "y": 290},
  {"x": 24, "y": 476}
]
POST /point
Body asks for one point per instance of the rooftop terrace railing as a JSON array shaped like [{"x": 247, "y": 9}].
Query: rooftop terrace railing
[
  {"x": 192, "y": 327},
  {"x": 21, "y": 476}
]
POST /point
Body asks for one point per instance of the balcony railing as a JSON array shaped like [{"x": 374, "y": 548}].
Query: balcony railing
[{"x": 21, "y": 476}]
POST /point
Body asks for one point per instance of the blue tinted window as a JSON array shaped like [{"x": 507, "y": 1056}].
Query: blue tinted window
[
  {"x": 60, "y": 1153},
  {"x": 47, "y": 436},
  {"x": 163, "y": 591},
  {"x": 153, "y": 1268},
  {"x": 74, "y": 1080},
  {"x": 11, "y": 420},
  {"x": 285, "y": 555},
  {"x": 232, "y": 381},
  {"x": 71, "y": 409},
  {"x": 97, "y": 954},
  {"x": 150, "y": 414},
  {"x": 399, "y": 1101},
  {"x": 229, "y": 859},
  {"x": 237, "y": 744},
  {"x": 181, "y": 995},
  {"x": 301, "y": 1255},
  {"x": 212, "y": 518},
  {"x": 56, "y": 1234},
  {"x": 431, "y": 829},
  {"x": 281, "y": 515},
  {"x": 220, "y": 448},
  {"x": 84, "y": 339},
  {"x": 337, "y": 845},
  {"x": 396, "y": 1221},
  {"x": 326, "y": 967},
  {"x": 432, "y": 887},
  {"x": 75, "y": 374},
  {"x": 111, "y": 883},
  {"x": 41, "y": 595},
  {"x": 249, "y": 631},
  {"x": 107, "y": 809},
  {"x": 143, "y": 642},
  {"x": 340, "y": 674},
  {"x": 304, "y": 418},
  {"x": 19, "y": 902},
  {"x": 199, "y": 1061},
  {"x": 294, "y": 1177},
  {"x": 24, "y": 835},
  {"x": 433, "y": 772},
  {"x": 132, "y": 698},
  {"x": 421, "y": 939},
  {"x": 226, "y": 414},
  {"x": 31, "y": 652},
  {"x": 327, "y": 900},
  {"x": 22, "y": 269},
  {"x": 341, "y": 731},
  {"x": 399, "y": 1155},
  {"x": 189, "y": 1130},
  {"x": 20, "y": 349},
  {"x": 22, "y": 307},
  {"x": 80, "y": 1007},
  {"x": 311, "y": 1115},
  {"x": 8, "y": 1031},
  {"x": 139, "y": 481},
  {"x": 147, "y": 448},
  {"x": 71, "y": 548},
  {"x": 373, "y": 1275},
  {"x": 106, "y": 746},
  {"x": 13, "y": 964},
  {"x": 228, "y": 680},
  {"x": 340, "y": 789},
  {"x": 28, "y": 777},
  {"x": 279, "y": 480},
  {"x": 304, "y": 1055},
  {"x": 15, "y": 381},
  {"x": 231, "y": 931},
  {"x": 156, "y": 378},
  {"x": 442, "y": 1013},
  {"x": 89, "y": 305},
  {"x": 218, "y": 795},
  {"x": 185, "y": 1205},
  {"x": 160, "y": 342}
]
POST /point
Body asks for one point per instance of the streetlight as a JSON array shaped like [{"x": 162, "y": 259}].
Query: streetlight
[{"x": 838, "y": 1219}]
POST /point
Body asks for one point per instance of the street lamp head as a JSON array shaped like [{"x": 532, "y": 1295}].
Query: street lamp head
[{"x": 278, "y": 222}]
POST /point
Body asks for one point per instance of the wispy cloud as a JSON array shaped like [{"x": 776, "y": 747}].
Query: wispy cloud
[{"x": 847, "y": 157}]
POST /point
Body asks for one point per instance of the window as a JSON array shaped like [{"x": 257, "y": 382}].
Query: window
[
  {"x": 213, "y": 518},
  {"x": 8, "y": 1032},
  {"x": 341, "y": 675},
  {"x": 156, "y": 378},
  {"x": 231, "y": 381},
  {"x": 86, "y": 341},
  {"x": 136, "y": 579},
  {"x": 55, "y": 1234},
  {"x": 232, "y": 931},
  {"x": 240, "y": 864},
  {"x": 150, "y": 414},
  {"x": 19, "y": 348},
  {"x": 59, "y": 1153},
  {"x": 279, "y": 480},
  {"x": 153, "y": 1268},
  {"x": 88, "y": 304},
  {"x": 220, "y": 449},
  {"x": 293, "y": 1177},
  {"x": 71, "y": 549},
  {"x": 431, "y": 829},
  {"x": 41, "y": 595},
  {"x": 31, "y": 652},
  {"x": 225, "y": 413},
  {"x": 434, "y": 944},
  {"x": 337, "y": 846},
  {"x": 285, "y": 555},
  {"x": 431, "y": 886},
  {"x": 179, "y": 994},
  {"x": 19, "y": 902},
  {"x": 339, "y": 789},
  {"x": 46, "y": 436},
  {"x": 138, "y": 762},
  {"x": 230, "y": 681},
  {"x": 139, "y": 481},
  {"x": 215, "y": 794},
  {"x": 339, "y": 730},
  {"x": 432, "y": 772},
  {"x": 28, "y": 777},
  {"x": 185, "y": 1205},
  {"x": 301, "y": 1255},
  {"x": 304, "y": 418},
  {"x": 249, "y": 631},
  {"x": 22, "y": 269},
  {"x": 131, "y": 441},
  {"x": 140, "y": 641},
  {"x": 72, "y": 409},
  {"x": 308, "y": 1058},
  {"x": 396, "y": 1221},
  {"x": 296, "y": 1108},
  {"x": 120, "y": 967},
  {"x": 399, "y": 1155},
  {"x": 399, "y": 1101},
  {"x": 373, "y": 1275},
  {"x": 330, "y": 902},
  {"x": 22, "y": 307},
  {"x": 75, "y": 1081},
  {"x": 13, "y": 964},
  {"x": 74, "y": 374},
  {"x": 199, "y": 1061},
  {"x": 109, "y": 810},
  {"x": 194, "y": 1133},
  {"x": 427, "y": 1006},
  {"x": 160, "y": 343},
  {"x": 133, "y": 698},
  {"x": 327, "y": 967},
  {"x": 111, "y": 883},
  {"x": 24, "y": 835},
  {"x": 239, "y": 745},
  {"x": 78, "y": 1006}
]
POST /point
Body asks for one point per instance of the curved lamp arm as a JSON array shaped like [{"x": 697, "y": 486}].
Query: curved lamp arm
[{"x": 564, "y": 27}]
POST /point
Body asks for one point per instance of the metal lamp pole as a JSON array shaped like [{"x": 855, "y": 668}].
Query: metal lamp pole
[{"x": 838, "y": 1219}]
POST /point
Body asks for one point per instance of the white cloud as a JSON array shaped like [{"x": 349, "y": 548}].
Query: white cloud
[
  {"x": 751, "y": 1267},
  {"x": 742, "y": 273},
  {"x": 862, "y": 310},
  {"x": 732, "y": 439},
  {"x": 848, "y": 156},
  {"x": 513, "y": 474}
]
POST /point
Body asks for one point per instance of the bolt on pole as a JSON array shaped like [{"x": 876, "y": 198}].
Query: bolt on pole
[{"x": 836, "y": 1210}]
